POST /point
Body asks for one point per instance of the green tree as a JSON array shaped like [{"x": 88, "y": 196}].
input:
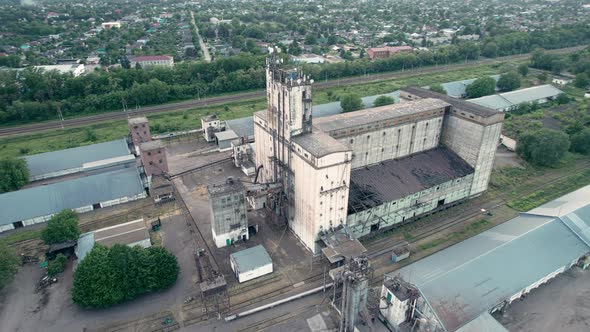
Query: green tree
[
  {"x": 509, "y": 81},
  {"x": 523, "y": 69},
  {"x": 481, "y": 87},
  {"x": 581, "y": 81},
  {"x": 110, "y": 276},
  {"x": 543, "y": 147},
  {"x": 490, "y": 50},
  {"x": 438, "y": 88},
  {"x": 58, "y": 265},
  {"x": 9, "y": 264},
  {"x": 581, "y": 142},
  {"x": 311, "y": 39},
  {"x": 351, "y": 102},
  {"x": 62, "y": 227},
  {"x": 562, "y": 99},
  {"x": 383, "y": 100},
  {"x": 13, "y": 174}
]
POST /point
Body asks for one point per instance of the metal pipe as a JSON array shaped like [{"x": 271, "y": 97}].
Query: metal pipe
[{"x": 276, "y": 303}]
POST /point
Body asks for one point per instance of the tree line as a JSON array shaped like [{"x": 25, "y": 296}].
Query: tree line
[{"x": 29, "y": 95}]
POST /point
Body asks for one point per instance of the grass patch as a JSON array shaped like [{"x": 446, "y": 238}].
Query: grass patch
[
  {"x": 191, "y": 119},
  {"x": 21, "y": 235},
  {"x": 551, "y": 192},
  {"x": 467, "y": 231}
]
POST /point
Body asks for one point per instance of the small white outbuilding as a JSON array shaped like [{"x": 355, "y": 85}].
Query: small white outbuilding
[{"x": 251, "y": 263}]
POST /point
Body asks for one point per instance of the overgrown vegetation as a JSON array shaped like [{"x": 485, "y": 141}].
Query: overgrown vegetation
[
  {"x": 484, "y": 86},
  {"x": 9, "y": 263},
  {"x": 550, "y": 192},
  {"x": 57, "y": 265},
  {"x": 351, "y": 102},
  {"x": 383, "y": 100},
  {"x": 467, "y": 231},
  {"x": 13, "y": 174},
  {"x": 543, "y": 147},
  {"x": 108, "y": 276},
  {"x": 62, "y": 227}
]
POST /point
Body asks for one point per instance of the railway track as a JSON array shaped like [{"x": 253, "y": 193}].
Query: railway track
[{"x": 218, "y": 100}]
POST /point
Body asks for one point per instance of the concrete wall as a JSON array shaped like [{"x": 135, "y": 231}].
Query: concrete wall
[
  {"x": 395, "y": 212},
  {"x": 320, "y": 197},
  {"x": 228, "y": 217},
  {"x": 393, "y": 142},
  {"x": 249, "y": 275},
  {"x": 474, "y": 142},
  {"x": 393, "y": 312}
]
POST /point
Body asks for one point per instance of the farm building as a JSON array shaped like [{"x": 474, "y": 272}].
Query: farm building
[
  {"x": 457, "y": 288},
  {"x": 133, "y": 233},
  {"x": 509, "y": 101},
  {"x": 69, "y": 161},
  {"x": 251, "y": 263},
  {"x": 80, "y": 194}
]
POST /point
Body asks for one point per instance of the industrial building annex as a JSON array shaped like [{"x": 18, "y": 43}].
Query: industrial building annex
[{"x": 370, "y": 169}]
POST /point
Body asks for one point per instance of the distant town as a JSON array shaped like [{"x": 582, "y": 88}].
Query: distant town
[{"x": 281, "y": 165}]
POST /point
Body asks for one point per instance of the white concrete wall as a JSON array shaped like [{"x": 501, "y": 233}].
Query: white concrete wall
[
  {"x": 249, "y": 275},
  {"x": 394, "y": 312},
  {"x": 476, "y": 143},
  {"x": 320, "y": 196},
  {"x": 4, "y": 228},
  {"x": 235, "y": 235},
  {"x": 393, "y": 142}
]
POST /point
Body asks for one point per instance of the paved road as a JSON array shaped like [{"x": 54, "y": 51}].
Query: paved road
[
  {"x": 202, "y": 44},
  {"x": 194, "y": 103}
]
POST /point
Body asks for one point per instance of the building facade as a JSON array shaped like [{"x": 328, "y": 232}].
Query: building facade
[
  {"x": 373, "y": 168},
  {"x": 228, "y": 208},
  {"x": 387, "y": 51},
  {"x": 139, "y": 129},
  {"x": 153, "y": 158},
  {"x": 152, "y": 60}
]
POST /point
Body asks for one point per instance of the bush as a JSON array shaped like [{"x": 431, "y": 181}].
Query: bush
[
  {"x": 351, "y": 102},
  {"x": 509, "y": 81},
  {"x": 9, "y": 264},
  {"x": 58, "y": 265},
  {"x": 481, "y": 87},
  {"x": 383, "y": 100},
  {"x": 13, "y": 174},
  {"x": 62, "y": 227},
  {"x": 543, "y": 147},
  {"x": 581, "y": 81},
  {"x": 523, "y": 69},
  {"x": 581, "y": 142},
  {"x": 110, "y": 276},
  {"x": 438, "y": 88}
]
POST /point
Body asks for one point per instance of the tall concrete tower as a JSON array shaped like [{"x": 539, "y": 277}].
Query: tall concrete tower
[{"x": 288, "y": 95}]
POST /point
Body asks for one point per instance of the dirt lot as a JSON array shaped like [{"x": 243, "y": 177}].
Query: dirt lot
[
  {"x": 561, "y": 305},
  {"x": 25, "y": 310}
]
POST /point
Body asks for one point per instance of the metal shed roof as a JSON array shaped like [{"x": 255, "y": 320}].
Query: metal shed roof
[
  {"x": 495, "y": 102},
  {"x": 483, "y": 323},
  {"x": 49, "y": 199},
  {"x": 251, "y": 258},
  {"x": 469, "y": 278},
  {"x": 226, "y": 135},
  {"x": 531, "y": 94},
  {"x": 60, "y": 160}
]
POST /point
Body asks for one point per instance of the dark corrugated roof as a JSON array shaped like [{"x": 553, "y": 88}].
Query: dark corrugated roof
[
  {"x": 394, "y": 179},
  {"x": 456, "y": 103}
]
